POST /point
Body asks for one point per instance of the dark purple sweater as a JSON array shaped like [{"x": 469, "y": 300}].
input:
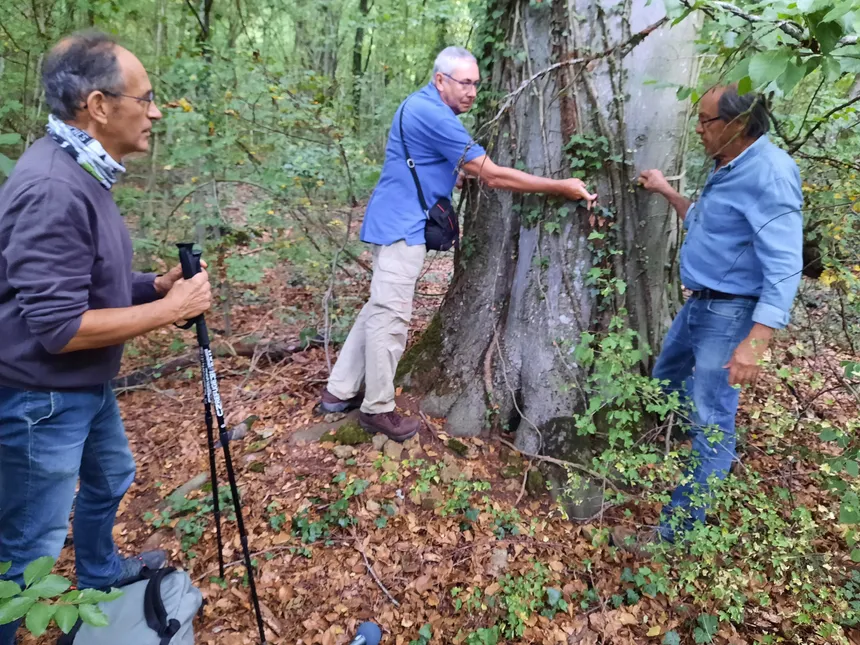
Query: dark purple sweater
[{"x": 64, "y": 249}]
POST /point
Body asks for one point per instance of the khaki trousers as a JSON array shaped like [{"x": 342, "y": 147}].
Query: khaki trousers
[{"x": 378, "y": 338}]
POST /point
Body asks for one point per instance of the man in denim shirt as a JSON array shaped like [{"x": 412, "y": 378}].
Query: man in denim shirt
[{"x": 742, "y": 260}]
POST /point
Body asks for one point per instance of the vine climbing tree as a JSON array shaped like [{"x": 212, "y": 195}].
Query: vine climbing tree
[{"x": 534, "y": 274}]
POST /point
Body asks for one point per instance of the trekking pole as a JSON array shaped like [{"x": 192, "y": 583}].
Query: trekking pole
[{"x": 190, "y": 261}]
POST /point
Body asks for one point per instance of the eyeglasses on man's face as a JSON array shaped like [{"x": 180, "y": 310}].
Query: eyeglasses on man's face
[
  {"x": 704, "y": 122},
  {"x": 147, "y": 98},
  {"x": 475, "y": 84}
]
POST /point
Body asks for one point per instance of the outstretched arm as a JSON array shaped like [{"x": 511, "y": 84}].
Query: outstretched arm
[{"x": 496, "y": 176}]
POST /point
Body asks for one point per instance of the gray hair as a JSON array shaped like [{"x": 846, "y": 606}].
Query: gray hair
[
  {"x": 751, "y": 107},
  {"x": 446, "y": 61},
  {"x": 77, "y": 66}
]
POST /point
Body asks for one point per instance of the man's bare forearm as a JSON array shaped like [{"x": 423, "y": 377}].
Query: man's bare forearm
[
  {"x": 106, "y": 327},
  {"x": 680, "y": 203},
  {"x": 522, "y": 182}
]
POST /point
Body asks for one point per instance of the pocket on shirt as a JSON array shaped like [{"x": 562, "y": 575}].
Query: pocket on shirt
[
  {"x": 731, "y": 309},
  {"x": 40, "y": 406},
  {"x": 720, "y": 219}
]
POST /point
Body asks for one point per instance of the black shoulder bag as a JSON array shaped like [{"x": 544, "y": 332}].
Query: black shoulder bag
[{"x": 442, "y": 229}]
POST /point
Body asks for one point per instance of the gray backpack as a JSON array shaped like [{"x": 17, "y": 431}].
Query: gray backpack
[{"x": 156, "y": 608}]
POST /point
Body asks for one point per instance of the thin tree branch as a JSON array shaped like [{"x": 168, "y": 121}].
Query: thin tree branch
[
  {"x": 822, "y": 121},
  {"x": 370, "y": 570},
  {"x": 196, "y": 15}
]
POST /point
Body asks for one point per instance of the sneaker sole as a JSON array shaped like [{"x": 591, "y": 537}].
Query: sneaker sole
[{"x": 370, "y": 429}]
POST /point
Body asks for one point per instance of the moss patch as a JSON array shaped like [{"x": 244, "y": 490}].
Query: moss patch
[
  {"x": 535, "y": 483},
  {"x": 349, "y": 434},
  {"x": 422, "y": 358},
  {"x": 459, "y": 448}
]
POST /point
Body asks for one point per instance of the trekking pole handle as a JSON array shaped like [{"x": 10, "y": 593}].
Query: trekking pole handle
[{"x": 189, "y": 259}]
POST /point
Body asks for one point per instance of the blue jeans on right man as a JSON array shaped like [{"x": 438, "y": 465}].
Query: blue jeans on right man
[
  {"x": 49, "y": 440},
  {"x": 700, "y": 342}
]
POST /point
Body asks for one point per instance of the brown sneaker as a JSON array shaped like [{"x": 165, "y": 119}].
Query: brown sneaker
[
  {"x": 640, "y": 543},
  {"x": 330, "y": 403},
  {"x": 391, "y": 424}
]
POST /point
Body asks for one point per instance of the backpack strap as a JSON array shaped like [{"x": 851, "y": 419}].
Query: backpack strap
[
  {"x": 153, "y": 607},
  {"x": 411, "y": 162}
]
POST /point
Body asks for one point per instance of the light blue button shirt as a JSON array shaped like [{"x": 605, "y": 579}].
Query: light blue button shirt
[
  {"x": 438, "y": 143},
  {"x": 745, "y": 233}
]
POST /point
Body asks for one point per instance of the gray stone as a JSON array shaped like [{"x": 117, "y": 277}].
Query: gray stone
[
  {"x": 393, "y": 450},
  {"x": 498, "y": 563},
  {"x": 343, "y": 452},
  {"x": 379, "y": 441}
]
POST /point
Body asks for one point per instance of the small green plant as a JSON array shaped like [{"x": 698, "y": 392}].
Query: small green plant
[
  {"x": 46, "y": 597},
  {"x": 336, "y": 514},
  {"x": 506, "y": 522},
  {"x": 484, "y": 636},
  {"x": 645, "y": 581},
  {"x": 460, "y": 501},
  {"x": 522, "y": 596},
  {"x": 189, "y": 517},
  {"x": 425, "y": 634},
  {"x": 276, "y": 520},
  {"x": 706, "y": 630}
]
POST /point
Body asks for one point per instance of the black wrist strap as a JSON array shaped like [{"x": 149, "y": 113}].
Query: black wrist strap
[{"x": 410, "y": 162}]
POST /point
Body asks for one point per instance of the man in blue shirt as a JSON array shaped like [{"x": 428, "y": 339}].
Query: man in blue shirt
[
  {"x": 742, "y": 260},
  {"x": 394, "y": 225}
]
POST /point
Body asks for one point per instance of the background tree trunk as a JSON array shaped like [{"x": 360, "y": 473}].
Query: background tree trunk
[{"x": 519, "y": 300}]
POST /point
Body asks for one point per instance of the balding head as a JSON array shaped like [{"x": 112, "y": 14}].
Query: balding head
[
  {"x": 96, "y": 85},
  {"x": 77, "y": 66}
]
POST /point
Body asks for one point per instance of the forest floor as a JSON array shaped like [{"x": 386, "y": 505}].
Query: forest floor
[{"x": 401, "y": 538}]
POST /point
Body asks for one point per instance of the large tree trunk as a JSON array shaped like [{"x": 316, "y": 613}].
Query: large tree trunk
[{"x": 520, "y": 298}]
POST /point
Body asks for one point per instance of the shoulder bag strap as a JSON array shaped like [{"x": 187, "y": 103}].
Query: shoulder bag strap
[
  {"x": 410, "y": 162},
  {"x": 153, "y": 608}
]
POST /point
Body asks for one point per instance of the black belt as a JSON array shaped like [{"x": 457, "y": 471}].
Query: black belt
[{"x": 710, "y": 294}]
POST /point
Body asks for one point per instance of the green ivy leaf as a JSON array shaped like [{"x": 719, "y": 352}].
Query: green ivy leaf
[
  {"x": 38, "y": 618},
  {"x": 426, "y": 632},
  {"x": 66, "y": 616},
  {"x": 10, "y": 139},
  {"x": 553, "y": 596},
  {"x": 828, "y": 435},
  {"x": 93, "y": 615},
  {"x": 671, "y": 638},
  {"x": 768, "y": 66},
  {"x": 38, "y": 569},
  {"x": 14, "y": 609},
  {"x": 855, "y": 555},
  {"x": 5, "y": 566}
]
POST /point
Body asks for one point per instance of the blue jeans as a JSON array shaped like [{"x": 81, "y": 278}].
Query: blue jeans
[
  {"x": 48, "y": 440},
  {"x": 700, "y": 342}
]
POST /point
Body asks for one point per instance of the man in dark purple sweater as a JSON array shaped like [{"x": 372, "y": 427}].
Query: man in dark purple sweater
[{"x": 68, "y": 302}]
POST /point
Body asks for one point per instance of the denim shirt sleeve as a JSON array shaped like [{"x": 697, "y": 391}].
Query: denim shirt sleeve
[{"x": 777, "y": 222}]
